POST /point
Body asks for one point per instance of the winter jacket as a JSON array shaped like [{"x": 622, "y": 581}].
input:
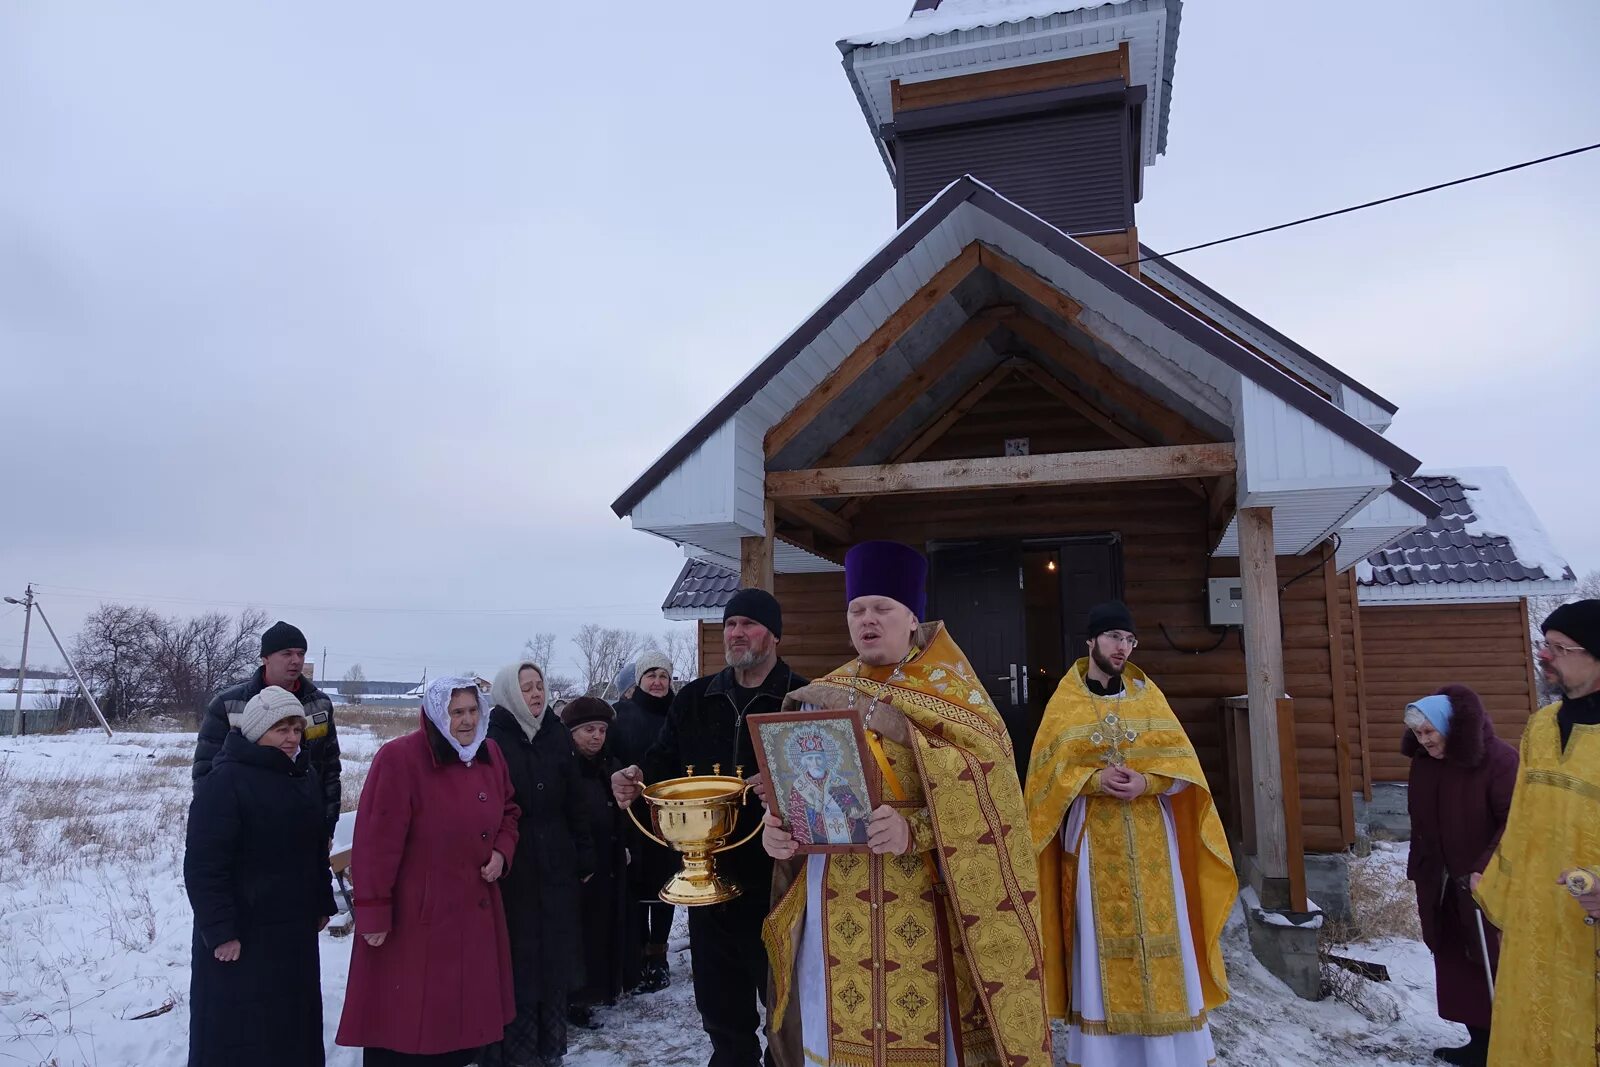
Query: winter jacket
[
  {"x": 706, "y": 728},
  {"x": 427, "y": 824},
  {"x": 640, "y": 720},
  {"x": 541, "y": 894},
  {"x": 321, "y": 738},
  {"x": 604, "y": 897},
  {"x": 1458, "y": 808},
  {"x": 256, "y": 871}
]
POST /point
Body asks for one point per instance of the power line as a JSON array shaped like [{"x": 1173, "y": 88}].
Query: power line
[{"x": 1373, "y": 203}]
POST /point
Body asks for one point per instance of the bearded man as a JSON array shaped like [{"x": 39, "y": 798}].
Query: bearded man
[
  {"x": 923, "y": 950},
  {"x": 1137, "y": 873},
  {"x": 1542, "y": 885}
]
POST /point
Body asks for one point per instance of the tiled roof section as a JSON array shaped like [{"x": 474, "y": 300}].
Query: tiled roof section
[
  {"x": 1445, "y": 552},
  {"x": 701, "y": 585}
]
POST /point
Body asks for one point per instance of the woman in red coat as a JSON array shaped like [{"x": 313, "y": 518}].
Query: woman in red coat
[
  {"x": 1459, "y": 796},
  {"x": 430, "y": 973}
]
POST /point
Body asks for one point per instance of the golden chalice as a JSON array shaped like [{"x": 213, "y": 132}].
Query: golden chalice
[{"x": 695, "y": 815}]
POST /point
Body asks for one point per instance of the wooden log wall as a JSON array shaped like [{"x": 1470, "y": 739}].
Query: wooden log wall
[
  {"x": 815, "y": 639},
  {"x": 1410, "y": 651}
]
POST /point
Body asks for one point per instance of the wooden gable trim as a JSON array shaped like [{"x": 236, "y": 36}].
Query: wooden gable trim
[
  {"x": 1229, "y": 334},
  {"x": 1111, "y": 65},
  {"x": 1162, "y": 463},
  {"x": 869, "y": 351}
]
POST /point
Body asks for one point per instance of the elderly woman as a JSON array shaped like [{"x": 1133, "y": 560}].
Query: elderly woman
[
  {"x": 256, "y": 869},
  {"x": 541, "y": 895},
  {"x": 1459, "y": 795},
  {"x": 430, "y": 973},
  {"x": 605, "y": 899},
  {"x": 641, "y": 714}
]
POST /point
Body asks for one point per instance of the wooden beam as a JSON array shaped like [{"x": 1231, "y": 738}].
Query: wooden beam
[
  {"x": 1294, "y": 846},
  {"x": 1062, "y": 392},
  {"x": 1341, "y": 711},
  {"x": 940, "y": 425},
  {"x": 1170, "y": 427},
  {"x": 1008, "y": 269},
  {"x": 1263, "y": 651},
  {"x": 891, "y": 407},
  {"x": 755, "y": 557},
  {"x": 1009, "y": 81},
  {"x": 818, "y": 518},
  {"x": 1005, "y": 472},
  {"x": 869, "y": 351},
  {"x": 1361, "y": 685}
]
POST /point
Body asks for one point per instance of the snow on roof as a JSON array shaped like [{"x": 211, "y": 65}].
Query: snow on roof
[
  {"x": 954, "y": 15},
  {"x": 1485, "y": 534}
]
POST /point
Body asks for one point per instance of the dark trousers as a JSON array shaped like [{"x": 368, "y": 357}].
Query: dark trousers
[
  {"x": 730, "y": 976},
  {"x": 656, "y": 924}
]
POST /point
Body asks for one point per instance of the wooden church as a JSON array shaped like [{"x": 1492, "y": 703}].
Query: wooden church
[{"x": 1056, "y": 416}]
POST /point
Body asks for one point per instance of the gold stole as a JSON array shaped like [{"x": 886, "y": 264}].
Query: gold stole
[
  {"x": 1549, "y": 975},
  {"x": 1136, "y": 922}
]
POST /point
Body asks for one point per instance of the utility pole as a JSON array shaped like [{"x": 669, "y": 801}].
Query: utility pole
[
  {"x": 82, "y": 685},
  {"x": 18, "y": 724}
]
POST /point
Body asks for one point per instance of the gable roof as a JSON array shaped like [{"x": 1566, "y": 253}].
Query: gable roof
[
  {"x": 968, "y": 191},
  {"x": 1484, "y": 543}
]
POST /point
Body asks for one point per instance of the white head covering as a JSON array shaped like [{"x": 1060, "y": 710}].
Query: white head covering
[
  {"x": 267, "y": 709},
  {"x": 507, "y": 693},
  {"x": 436, "y": 706}
]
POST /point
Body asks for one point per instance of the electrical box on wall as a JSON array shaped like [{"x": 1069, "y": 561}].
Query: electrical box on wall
[{"x": 1226, "y": 604}]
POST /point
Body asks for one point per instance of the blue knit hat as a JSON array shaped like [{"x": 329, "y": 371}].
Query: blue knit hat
[{"x": 1436, "y": 709}]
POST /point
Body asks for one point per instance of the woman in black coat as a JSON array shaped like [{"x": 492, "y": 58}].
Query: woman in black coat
[
  {"x": 641, "y": 714},
  {"x": 555, "y": 855},
  {"x": 605, "y": 895},
  {"x": 256, "y": 870}
]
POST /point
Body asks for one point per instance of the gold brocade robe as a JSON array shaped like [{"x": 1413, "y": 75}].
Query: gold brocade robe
[
  {"x": 887, "y": 978},
  {"x": 1549, "y": 977},
  {"x": 1136, "y": 926}
]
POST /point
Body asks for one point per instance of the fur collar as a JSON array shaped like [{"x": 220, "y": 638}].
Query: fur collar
[{"x": 1470, "y": 730}]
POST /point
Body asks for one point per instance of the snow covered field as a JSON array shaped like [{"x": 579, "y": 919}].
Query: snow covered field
[{"x": 95, "y": 928}]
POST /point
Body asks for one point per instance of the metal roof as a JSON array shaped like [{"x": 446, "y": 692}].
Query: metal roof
[
  {"x": 702, "y": 590},
  {"x": 1485, "y": 542}
]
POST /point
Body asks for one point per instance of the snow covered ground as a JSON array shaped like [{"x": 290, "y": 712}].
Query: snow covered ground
[{"x": 95, "y": 928}]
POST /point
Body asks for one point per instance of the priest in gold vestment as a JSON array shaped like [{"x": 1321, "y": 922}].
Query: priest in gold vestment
[
  {"x": 1548, "y": 984},
  {"x": 1135, "y": 869},
  {"x": 923, "y": 951}
]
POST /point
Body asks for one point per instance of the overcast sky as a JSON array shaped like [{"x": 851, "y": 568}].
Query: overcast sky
[{"x": 365, "y": 312}]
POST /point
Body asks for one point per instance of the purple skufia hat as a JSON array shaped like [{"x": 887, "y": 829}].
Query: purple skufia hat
[{"x": 887, "y": 568}]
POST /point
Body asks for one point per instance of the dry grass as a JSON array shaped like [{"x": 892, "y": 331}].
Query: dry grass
[
  {"x": 385, "y": 723},
  {"x": 351, "y": 779},
  {"x": 1383, "y": 901}
]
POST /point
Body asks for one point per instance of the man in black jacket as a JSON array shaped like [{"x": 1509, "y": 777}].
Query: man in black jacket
[
  {"x": 705, "y": 727},
  {"x": 283, "y": 661}
]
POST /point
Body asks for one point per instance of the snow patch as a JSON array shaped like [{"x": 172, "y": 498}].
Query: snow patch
[
  {"x": 1499, "y": 508},
  {"x": 954, "y": 15}
]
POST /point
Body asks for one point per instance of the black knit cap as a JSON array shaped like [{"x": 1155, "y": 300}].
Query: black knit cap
[
  {"x": 1112, "y": 615},
  {"x": 757, "y": 604},
  {"x": 1579, "y": 620},
  {"x": 281, "y": 636},
  {"x": 586, "y": 709}
]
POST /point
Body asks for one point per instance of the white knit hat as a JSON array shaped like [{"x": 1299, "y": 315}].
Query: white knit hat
[{"x": 266, "y": 709}]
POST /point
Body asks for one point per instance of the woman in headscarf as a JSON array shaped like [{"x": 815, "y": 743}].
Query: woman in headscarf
[
  {"x": 641, "y": 713},
  {"x": 436, "y": 830},
  {"x": 1459, "y": 795},
  {"x": 557, "y": 855},
  {"x": 605, "y": 899}
]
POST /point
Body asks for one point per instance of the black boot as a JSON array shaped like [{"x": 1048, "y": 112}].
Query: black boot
[
  {"x": 1475, "y": 1053},
  {"x": 582, "y": 1016},
  {"x": 657, "y": 975}
]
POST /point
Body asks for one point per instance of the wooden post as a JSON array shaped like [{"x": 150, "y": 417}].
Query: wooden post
[
  {"x": 1263, "y": 657},
  {"x": 1341, "y": 717},
  {"x": 1294, "y": 848},
  {"x": 755, "y": 557},
  {"x": 1361, "y": 687}
]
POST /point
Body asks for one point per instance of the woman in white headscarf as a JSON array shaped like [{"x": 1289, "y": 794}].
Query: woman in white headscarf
[
  {"x": 543, "y": 911},
  {"x": 436, "y": 831}
]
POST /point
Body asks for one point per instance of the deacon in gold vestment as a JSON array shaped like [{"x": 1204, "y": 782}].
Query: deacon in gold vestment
[
  {"x": 1136, "y": 872},
  {"x": 1549, "y": 978},
  {"x": 925, "y": 950}
]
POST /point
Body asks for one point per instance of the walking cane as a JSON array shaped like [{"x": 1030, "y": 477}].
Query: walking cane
[{"x": 1483, "y": 943}]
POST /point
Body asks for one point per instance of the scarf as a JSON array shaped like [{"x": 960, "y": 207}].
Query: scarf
[
  {"x": 507, "y": 693},
  {"x": 436, "y": 706}
]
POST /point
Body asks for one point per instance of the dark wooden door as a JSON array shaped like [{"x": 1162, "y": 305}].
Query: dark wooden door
[
  {"x": 976, "y": 589},
  {"x": 1090, "y": 574}
]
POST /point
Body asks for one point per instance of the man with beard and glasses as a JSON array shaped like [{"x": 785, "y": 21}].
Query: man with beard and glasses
[
  {"x": 706, "y": 727},
  {"x": 1121, "y": 814},
  {"x": 1542, "y": 885}
]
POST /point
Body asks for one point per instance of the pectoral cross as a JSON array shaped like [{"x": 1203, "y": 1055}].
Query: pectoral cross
[{"x": 1112, "y": 734}]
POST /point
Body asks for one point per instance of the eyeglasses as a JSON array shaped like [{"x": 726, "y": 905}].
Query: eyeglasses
[
  {"x": 1122, "y": 639},
  {"x": 1553, "y": 650}
]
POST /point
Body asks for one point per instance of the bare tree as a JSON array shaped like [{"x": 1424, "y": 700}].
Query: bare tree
[
  {"x": 681, "y": 645},
  {"x": 115, "y": 650},
  {"x": 354, "y": 678},
  {"x": 603, "y": 652},
  {"x": 540, "y": 650},
  {"x": 137, "y": 662},
  {"x": 559, "y": 684}
]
